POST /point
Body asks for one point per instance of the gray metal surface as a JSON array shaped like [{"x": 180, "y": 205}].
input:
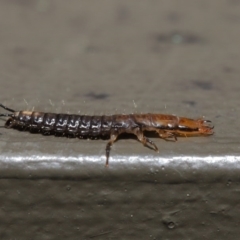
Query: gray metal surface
[{"x": 106, "y": 57}]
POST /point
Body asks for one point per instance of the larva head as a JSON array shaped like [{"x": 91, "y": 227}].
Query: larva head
[{"x": 193, "y": 127}]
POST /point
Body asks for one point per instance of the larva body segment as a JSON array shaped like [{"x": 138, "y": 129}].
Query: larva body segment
[{"x": 168, "y": 127}]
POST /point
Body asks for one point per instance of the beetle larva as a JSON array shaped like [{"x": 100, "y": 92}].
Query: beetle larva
[{"x": 168, "y": 127}]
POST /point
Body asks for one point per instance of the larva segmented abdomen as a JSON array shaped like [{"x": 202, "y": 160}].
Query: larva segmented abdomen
[{"x": 75, "y": 125}]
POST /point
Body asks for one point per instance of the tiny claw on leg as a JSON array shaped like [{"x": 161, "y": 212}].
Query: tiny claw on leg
[
  {"x": 144, "y": 140},
  {"x": 168, "y": 136},
  {"x": 152, "y": 144}
]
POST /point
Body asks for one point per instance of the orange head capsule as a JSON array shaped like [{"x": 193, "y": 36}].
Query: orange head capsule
[{"x": 190, "y": 127}]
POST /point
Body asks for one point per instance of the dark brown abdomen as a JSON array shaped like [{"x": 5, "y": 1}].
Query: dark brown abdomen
[{"x": 76, "y": 125}]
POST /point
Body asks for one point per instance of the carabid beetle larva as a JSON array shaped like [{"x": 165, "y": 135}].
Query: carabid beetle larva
[{"x": 168, "y": 127}]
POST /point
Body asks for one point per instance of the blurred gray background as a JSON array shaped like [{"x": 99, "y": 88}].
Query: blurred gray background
[{"x": 106, "y": 57}]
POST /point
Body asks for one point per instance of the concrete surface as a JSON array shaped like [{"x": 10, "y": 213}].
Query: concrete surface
[{"x": 106, "y": 57}]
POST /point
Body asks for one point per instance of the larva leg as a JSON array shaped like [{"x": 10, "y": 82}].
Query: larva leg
[
  {"x": 113, "y": 138},
  {"x": 144, "y": 140},
  {"x": 168, "y": 136}
]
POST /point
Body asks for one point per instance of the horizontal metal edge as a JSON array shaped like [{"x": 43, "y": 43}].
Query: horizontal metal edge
[{"x": 164, "y": 169}]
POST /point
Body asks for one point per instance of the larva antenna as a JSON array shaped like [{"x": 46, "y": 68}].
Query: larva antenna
[{"x": 6, "y": 114}]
